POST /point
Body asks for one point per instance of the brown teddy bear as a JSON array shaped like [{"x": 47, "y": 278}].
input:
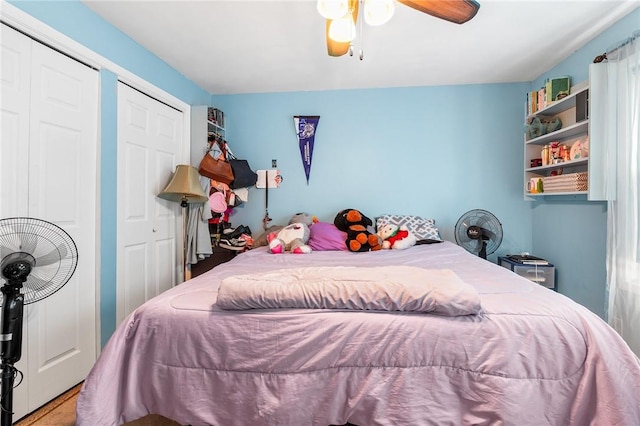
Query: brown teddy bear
[{"x": 356, "y": 224}]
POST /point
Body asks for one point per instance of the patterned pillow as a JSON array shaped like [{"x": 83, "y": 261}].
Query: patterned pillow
[{"x": 423, "y": 229}]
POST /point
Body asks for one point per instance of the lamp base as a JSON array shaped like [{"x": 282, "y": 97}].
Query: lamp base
[{"x": 186, "y": 271}]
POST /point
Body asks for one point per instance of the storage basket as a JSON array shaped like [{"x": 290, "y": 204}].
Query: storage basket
[{"x": 569, "y": 182}]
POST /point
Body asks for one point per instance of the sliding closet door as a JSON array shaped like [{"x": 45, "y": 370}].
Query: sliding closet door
[
  {"x": 14, "y": 104},
  {"x": 49, "y": 171},
  {"x": 14, "y": 152},
  {"x": 150, "y": 142},
  {"x": 62, "y": 189}
]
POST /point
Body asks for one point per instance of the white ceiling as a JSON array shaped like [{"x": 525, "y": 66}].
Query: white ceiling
[{"x": 239, "y": 46}]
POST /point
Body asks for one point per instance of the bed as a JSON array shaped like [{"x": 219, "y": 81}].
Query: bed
[{"x": 528, "y": 356}]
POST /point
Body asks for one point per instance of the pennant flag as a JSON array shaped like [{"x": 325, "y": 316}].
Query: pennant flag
[{"x": 306, "y": 126}]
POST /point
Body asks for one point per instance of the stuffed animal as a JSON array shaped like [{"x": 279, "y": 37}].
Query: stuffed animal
[
  {"x": 291, "y": 238},
  {"x": 537, "y": 126},
  {"x": 263, "y": 239},
  {"x": 305, "y": 218},
  {"x": 359, "y": 237},
  {"x": 395, "y": 237}
]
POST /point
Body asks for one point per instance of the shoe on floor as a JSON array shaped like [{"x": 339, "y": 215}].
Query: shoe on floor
[
  {"x": 231, "y": 247},
  {"x": 233, "y": 241},
  {"x": 235, "y": 233}
]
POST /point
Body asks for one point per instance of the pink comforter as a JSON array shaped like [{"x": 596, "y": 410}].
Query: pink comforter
[{"x": 531, "y": 357}]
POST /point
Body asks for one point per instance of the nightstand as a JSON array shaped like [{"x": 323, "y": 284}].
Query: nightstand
[
  {"x": 220, "y": 255},
  {"x": 541, "y": 274}
]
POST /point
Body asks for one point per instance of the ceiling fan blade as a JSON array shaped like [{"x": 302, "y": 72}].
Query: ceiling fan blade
[
  {"x": 339, "y": 48},
  {"x": 456, "y": 11}
]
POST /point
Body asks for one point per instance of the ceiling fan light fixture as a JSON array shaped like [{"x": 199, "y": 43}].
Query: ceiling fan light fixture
[
  {"x": 342, "y": 29},
  {"x": 333, "y": 9},
  {"x": 378, "y": 12}
]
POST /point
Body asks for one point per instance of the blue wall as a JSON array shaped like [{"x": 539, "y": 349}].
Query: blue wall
[
  {"x": 430, "y": 151},
  {"x": 436, "y": 152},
  {"x": 108, "y": 203}
]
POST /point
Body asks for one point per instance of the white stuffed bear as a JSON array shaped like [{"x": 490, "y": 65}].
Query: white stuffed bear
[
  {"x": 291, "y": 238},
  {"x": 395, "y": 237}
]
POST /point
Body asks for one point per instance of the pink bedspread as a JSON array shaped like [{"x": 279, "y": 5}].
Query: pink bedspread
[{"x": 531, "y": 357}]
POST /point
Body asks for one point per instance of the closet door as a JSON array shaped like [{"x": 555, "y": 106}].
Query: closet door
[
  {"x": 150, "y": 142},
  {"x": 50, "y": 171},
  {"x": 14, "y": 146},
  {"x": 14, "y": 152}
]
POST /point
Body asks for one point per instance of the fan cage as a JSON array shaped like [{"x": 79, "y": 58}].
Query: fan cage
[
  {"x": 483, "y": 219},
  {"x": 54, "y": 251}
]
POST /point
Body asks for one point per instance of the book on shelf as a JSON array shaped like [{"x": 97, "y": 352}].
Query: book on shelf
[
  {"x": 557, "y": 88},
  {"x": 541, "y": 99},
  {"x": 215, "y": 116},
  {"x": 532, "y": 102},
  {"x": 527, "y": 259}
]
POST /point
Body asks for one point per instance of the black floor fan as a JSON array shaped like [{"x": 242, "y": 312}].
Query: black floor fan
[
  {"x": 479, "y": 232},
  {"x": 37, "y": 258}
]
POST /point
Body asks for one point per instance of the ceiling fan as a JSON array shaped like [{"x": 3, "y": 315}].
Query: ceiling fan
[{"x": 342, "y": 16}]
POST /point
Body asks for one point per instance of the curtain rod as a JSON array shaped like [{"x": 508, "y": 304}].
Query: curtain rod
[{"x": 603, "y": 57}]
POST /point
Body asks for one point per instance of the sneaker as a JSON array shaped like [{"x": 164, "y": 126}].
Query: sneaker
[
  {"x": 232, "y": 233},
  {"x": 232, "y": 245},
  {"x": 247, "y": 239},
  {"x": 232, "y": 241}
]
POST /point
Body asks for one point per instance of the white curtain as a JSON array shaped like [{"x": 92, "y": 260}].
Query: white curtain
[{"x": 622, "y": 182}]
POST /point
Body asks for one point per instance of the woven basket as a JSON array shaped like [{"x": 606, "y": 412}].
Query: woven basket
[{"x": 570, "y": 182}]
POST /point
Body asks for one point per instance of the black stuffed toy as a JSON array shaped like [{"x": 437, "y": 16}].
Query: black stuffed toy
[{"x": 355, "y": 224}]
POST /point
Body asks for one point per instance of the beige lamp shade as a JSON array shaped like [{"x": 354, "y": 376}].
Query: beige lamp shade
[{"x": 184, "y": 186}]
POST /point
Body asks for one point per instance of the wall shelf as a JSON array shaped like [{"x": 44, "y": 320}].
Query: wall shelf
[
  {"x": 559, "y": 135},
  {"x": 573, "y": 112},
  {"x": 572, "y": 163}
]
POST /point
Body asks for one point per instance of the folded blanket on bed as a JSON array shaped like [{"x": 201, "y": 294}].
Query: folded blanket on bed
[{"x": 386, "y": 288}]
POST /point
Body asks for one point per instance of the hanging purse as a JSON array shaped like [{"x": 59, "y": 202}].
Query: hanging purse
[
  {"x": 216, "y": 168},
  {"x": 243, "y": 176},
  {"x": 218, "y": 202}
]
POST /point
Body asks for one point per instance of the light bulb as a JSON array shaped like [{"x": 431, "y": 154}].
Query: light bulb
[
  {"x": 333, "y": 9},
  {"x": 377, "y": 12},
  {"x": 342, "y": 29}
]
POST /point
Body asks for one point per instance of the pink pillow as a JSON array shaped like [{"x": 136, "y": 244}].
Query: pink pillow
[{"x": 324, "y": 236}]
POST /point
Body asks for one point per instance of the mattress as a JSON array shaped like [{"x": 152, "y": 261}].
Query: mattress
[{"x": 528, "y": 356}]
